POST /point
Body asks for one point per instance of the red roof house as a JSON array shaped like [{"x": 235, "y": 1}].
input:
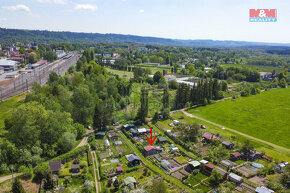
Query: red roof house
[
  {"x": 209, "y": 136},
  {"x": 235, "y": 155},
  {"x": 119, "y": 169},
  {"x": 208, "y": 168},
  {"x": 149, "y": 150}
]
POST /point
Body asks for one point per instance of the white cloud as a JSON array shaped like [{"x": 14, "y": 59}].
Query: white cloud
[
  {"x": 53, "y": 1},
  {"x": 19, "y": 7},
  {"x": 141, "y": 11},
  {"x": 86, "y": 7}
]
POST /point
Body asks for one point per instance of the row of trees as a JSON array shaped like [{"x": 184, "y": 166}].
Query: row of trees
[{"x": 205, "y": 91}]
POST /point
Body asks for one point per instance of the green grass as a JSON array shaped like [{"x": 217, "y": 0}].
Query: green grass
[
  {"x": 264, "y": 116},
  {"x": 121, "y": 73},
  {"x": 236, "y": 138},
  {"x": 195, "y": 179}
]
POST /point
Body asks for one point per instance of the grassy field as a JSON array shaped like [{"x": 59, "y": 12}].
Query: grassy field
[{"x": 264, "y": 116}]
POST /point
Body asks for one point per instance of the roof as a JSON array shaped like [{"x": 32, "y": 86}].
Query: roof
[
  {"x": 133, "y": 157},
  {"x": 118, "y": 143},
  {"x": 129, "y": 180},
  {"x": 194, "y": 163},
  {"x": 257, "y": 165},
  {"x": 203, "y": 161},
  {"x": 142, "y": 130},
  {"x": 235, "y": 176},
  {"x": 101, "y": 133},
  {"x": 208, "y": 136},
  {"x": 236, "y": 154},
  {"x": 114, "y": 135},
  {"x": 119, "y": 169},
  {"x": 162, "y": 139},
  {"x": 54, "y": 166},
  {"x": 226, "y": 143},
  {"x": 149, "y": 148},
  {"x": 209, "y": 166},
  {"x": 263, "y": 190},
  {"x": 75, "y": 166},
  {"x": 42, "y": 62},
  {"x": 224, "y": 162},
  {"x": 5, "y": 62},
  {"x": 223, "y": 172}
]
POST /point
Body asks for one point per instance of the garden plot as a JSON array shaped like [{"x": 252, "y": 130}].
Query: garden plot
[{"x": 259, "y": 180}]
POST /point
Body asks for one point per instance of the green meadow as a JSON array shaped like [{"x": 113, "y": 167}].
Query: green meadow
[{"x": 265, "y": 116}]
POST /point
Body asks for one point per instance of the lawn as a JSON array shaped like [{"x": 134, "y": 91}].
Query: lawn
[
  {"x": 236, "y": 138},
  {"x": 195, "y": 179},
  {"x": 203, "y": 188},
  {"x": 121, "y": 73},
  {"x": 264, "y": 116}
]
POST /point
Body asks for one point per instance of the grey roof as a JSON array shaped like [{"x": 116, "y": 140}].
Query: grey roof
[
  {"x": 227, "y": 143},
  {"x": 263, "y": 190},
  {"x": 129, "y": 180},
  {"x": 133, "y": 157},
  {"x": 54, "y": 166},
  {"x": 235, "y": 177},
  {"x": 224, "y": 162}
]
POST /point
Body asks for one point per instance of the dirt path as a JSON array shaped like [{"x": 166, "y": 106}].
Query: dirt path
[
  {"x": 85, "y": 139},
  {"x": 237, "y": 132},
  {"x": 97, "y": 174},
  {"x": 4, "y": 178}
]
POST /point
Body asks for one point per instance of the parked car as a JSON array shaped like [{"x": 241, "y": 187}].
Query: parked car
[
  {"x": 89, "y": 128},
  {"x": 202, "y": 126},
  {"x": 182, "y": 117}
]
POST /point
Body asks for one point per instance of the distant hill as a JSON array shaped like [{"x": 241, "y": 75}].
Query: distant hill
[{"x": 41, "y": 36}]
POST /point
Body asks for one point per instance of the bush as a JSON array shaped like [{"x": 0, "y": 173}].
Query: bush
[{"x": 26, "y": 172}]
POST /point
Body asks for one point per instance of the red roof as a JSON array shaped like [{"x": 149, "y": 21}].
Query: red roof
[
  {"x": 119, "y": 169},
  {"x": 209, "y": 166},
  {"x": 236, "y": 154},
  {"x": 208, "y": 136},
  {"x": 148, "y": 148},
  {"x": 42, "y": 62}
]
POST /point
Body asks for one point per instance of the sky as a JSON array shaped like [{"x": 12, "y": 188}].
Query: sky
[{"x": 177, "y": 19}]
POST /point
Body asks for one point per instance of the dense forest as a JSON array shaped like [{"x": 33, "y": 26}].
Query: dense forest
[{"x": 38, "y": 36}]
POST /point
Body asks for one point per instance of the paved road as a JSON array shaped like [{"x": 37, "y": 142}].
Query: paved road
[
  {"x": 4, "y": 178},
  {"x": 235, "y": 131},
  {"x": 85, "y": 139}
]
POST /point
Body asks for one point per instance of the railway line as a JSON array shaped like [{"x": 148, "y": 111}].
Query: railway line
[{"x": 24, "y": 82}]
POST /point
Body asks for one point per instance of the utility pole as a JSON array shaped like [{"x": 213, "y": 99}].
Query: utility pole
[{"x": 12, "y": 174}]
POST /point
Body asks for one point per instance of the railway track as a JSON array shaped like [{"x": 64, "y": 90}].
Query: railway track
[{"x": 40, "y": 75}]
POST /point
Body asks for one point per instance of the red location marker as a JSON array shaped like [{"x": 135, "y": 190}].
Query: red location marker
[{"x": 151, "y": 141}]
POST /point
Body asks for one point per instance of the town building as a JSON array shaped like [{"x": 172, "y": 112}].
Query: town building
[{"x": 8, "y": 65}]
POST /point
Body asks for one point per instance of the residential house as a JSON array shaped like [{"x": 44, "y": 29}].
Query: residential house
[
  {"x": 228, "y": 145},
  {"x": 106, "y": 54},
  {"x": 133, "y": 160},
  {"x": 130, "y": 181},
  {"x": 235, "y": 178},
  {"x": 100, "y": 135},
  {"x": 75, "y": 168},
  {"x": 119, "y": 169},
  {"x": 113, "y": 136},
  {"x": 208, "y": 137},
  {"x": 235, "y": 156},
  {"x": 222, "y": 172},
  {"x": 208, "y": 168},
  {"x": 192, "y": 166},
  {"x": 266, "y": 76},
  {"x": 149, "y": 150},
  {"x": 55, "y": 166}
]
